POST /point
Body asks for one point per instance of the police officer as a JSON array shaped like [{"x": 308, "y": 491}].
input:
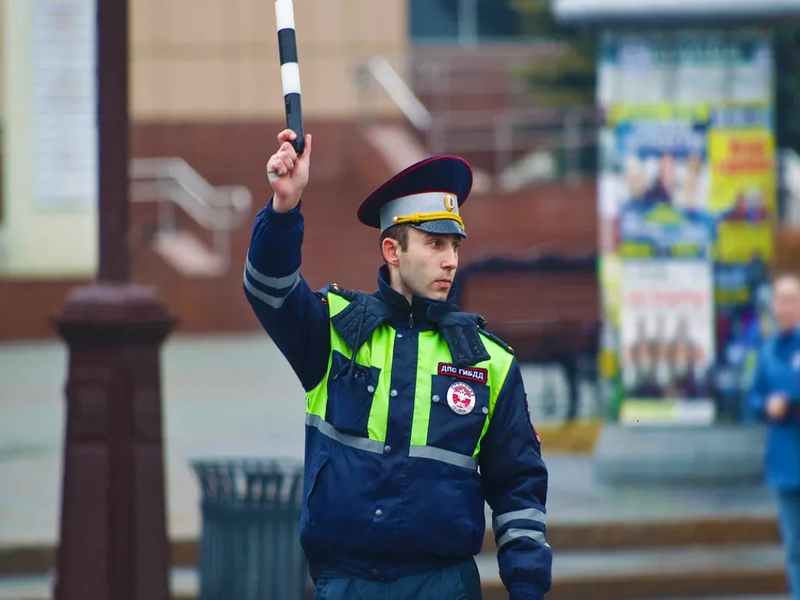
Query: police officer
[
  {"x": 775, "y": 398},
  {"x": 415, "y": 414}
]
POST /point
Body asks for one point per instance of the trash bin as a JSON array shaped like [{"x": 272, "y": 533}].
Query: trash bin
[{"x": 250, "y": 538}]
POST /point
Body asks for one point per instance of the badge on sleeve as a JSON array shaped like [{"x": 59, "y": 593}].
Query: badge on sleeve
[
  {"x": 461, "y": 398},
  {"x": 528, "y": 412},
  {"x": 536, "y": 433}
]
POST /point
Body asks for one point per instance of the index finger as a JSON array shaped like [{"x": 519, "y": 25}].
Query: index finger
[{"x": 287, "y": 135}]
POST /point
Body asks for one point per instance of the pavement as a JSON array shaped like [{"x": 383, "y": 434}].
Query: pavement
[{"x": 236, "y": 396}]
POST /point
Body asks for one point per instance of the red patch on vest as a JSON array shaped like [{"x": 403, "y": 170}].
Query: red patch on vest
[{"x": 469, "y": 373}]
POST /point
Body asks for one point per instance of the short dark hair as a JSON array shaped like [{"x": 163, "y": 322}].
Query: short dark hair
[{"x": 399, "y": 233}]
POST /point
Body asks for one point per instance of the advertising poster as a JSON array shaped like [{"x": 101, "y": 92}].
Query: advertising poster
[
  {"x": 654, "y": 190},
  {"x": 743, "y": 199},
  {"x": 63, "y": 103},
  {"x": 743, "y": 193},
  {"x": 609, "y": 353},
  {"x": 657, "y": 241},
  {"x": 667, "y": 342},
  {"x": 684, "y": 68},
  {"x": 664, "y": 210}
]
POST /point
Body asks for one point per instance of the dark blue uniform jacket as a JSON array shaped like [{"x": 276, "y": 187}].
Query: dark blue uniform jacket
[{"x": 383, "y": 516}]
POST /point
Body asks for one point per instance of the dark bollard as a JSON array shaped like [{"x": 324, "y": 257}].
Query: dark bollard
[{"x": 113, "y": 521}]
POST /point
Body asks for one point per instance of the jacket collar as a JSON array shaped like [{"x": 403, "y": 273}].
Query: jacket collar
[{"x": 421, "y": 313}]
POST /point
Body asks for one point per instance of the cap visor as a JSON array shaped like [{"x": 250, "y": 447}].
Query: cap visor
[{"x": 442, "y": 227}]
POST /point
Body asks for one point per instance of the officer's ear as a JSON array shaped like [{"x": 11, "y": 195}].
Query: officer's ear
[
  {"x": 398, "y": 236},
  {"x": 390, "y": 249}
]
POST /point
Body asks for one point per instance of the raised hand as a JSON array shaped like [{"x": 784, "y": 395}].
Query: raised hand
[{"x": 291, "y": 170}]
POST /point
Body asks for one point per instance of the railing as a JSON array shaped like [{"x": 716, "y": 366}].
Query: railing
[
  {"x": 559, "y": 348},
  {"x": 503, "y": 121},
  {"x": 403, "y": 96},
  {"x": 562, "y": 133},
  {"x": 173, "y": 182}
]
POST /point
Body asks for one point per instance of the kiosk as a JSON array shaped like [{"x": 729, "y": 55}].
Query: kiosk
[{"x": 687, "y": 188}]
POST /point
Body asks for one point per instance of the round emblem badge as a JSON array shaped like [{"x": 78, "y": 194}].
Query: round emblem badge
[
  {"x": 461, "y": 398},
  {"x": 449, "y": 202}
]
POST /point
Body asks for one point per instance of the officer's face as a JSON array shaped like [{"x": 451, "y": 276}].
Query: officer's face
[
  {"x": 786, "y": 302},
  {"x": 429, "y": 265}
]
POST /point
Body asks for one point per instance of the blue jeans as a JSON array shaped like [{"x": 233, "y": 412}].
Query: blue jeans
[
  {"x": 457, "y": 582},
  {"x": 789, "y": 519}
]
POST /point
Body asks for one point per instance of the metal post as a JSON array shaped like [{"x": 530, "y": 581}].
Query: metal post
[
  {"x": 436, "y": 137},
  {"x": 503, "y": 143},
  {"x": 167, "y": 222},
  {"x": 222, "y": 244},
  {"x": 468, "y": 22},
  {"x": 572, "y": 144},
  {"x": 366, "y": 96},
  {"x": 113, "y": 542},
  {"x": 112, "y": 131}
]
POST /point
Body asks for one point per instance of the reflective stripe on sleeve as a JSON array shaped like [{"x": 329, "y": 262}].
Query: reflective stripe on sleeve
[{"x": 513, "y": 534}]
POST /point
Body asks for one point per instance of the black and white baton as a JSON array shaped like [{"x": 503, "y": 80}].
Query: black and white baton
[{"x": 290, "y": 72}]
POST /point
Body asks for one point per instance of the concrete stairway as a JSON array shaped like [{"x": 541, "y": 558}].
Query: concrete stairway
[
  {"x": 185, "y": 253},
  {"x": 708, "y": 557}
]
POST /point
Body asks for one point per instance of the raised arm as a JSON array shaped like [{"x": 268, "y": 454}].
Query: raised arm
[{"x": 289, "y": 311}]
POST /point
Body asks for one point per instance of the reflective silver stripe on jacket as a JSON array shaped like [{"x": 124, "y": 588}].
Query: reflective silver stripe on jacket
[
  {"x": 445, "y": 456},
  {"x": 327, "y": 430},
  {"x": 376, "y": 447}
]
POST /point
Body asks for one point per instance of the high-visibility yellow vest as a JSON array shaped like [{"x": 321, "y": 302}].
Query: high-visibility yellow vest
[{"x": 358, "y": 417}]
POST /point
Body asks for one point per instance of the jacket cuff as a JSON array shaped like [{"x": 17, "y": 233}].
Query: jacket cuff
[
  {"x": 283, "y": 221},
  {"x": 523, "y": 589}
]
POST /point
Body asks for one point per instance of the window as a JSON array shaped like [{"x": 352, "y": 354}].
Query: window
[
  {"x": 497, "y": 20},
  {"x": 463, "y": 21}
]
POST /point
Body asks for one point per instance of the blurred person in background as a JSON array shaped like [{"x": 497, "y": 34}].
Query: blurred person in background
[
  {"x": 663, "y": 188},
  {"x": 407, "y": 398},
  {"x": 775, "y": 398},
  {"x": 687, "y": 363}
]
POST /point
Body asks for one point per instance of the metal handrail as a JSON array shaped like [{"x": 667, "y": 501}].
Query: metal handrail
[
  {"x": 506, "y": 133},
  {"x": 400, "y": 93},
  {"x": 171, "y": 182},
  {"x": 530, "y": 115}
]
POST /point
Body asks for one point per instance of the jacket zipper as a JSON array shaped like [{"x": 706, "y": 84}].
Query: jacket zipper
[{"x": 411, "y": 320}]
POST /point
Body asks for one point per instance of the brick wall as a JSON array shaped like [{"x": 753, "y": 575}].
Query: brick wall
[{"x": 552, "y": 219}]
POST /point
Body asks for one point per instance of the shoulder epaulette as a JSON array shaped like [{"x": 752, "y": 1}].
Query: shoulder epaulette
[
  {"x": 360, "y": 318},
  {"x": 497, "y": 340},
  {"x": 348, "y": 295}
]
